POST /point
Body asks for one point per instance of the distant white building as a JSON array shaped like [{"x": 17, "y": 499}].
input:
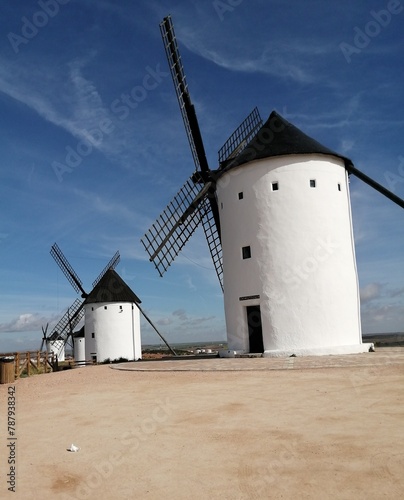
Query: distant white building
[
  {"x": 56, "y": 345},
  {"x": 112, "y": 321},
  {"x": 79, "y": 347}
]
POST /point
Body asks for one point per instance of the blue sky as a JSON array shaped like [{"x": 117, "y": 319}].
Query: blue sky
[{"x": 334, "y": 69}]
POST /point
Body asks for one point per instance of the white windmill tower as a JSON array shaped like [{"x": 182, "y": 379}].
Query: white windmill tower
[
  {"x": 117, "y": 334},
  {"x": 277, "y": 218},
  {"x": 111, "y": 315},
  {"x": 62, "y": 333},
  {"x": 112, "y": 328}
]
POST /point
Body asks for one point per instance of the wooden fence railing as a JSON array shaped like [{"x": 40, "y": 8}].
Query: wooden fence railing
[{"x": 33, "y": 362}]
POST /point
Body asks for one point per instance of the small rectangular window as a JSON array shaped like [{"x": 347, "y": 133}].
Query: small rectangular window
[
  {"x": 312, "y": 183},
  {"x": 221, "y": 205},
  {"x": 120, "y": 307},
  {"x": 105, "y": 307},
  {"x": 275, "y": 186},
  {"x": 93, "y": 335},
  {"x": 241, "y": 195},
  {"x": 339, "y": 187},
  {"x": 246, "y": 252}
]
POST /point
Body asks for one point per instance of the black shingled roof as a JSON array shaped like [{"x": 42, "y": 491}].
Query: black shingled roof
[
  {"x": 111, "y": 288},
  {"x": 278, "y": 137}
]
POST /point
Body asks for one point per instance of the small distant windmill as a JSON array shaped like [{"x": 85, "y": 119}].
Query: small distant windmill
[
  {"x": 111, "y": 310},
  {"x": 275, "y": 168},
  {"x": 44, "y": 335},
  {"x": 62, "y": 332}
]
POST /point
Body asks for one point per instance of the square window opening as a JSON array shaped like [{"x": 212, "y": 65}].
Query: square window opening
[
  {"x": 246, "y": 252},
  {"x": 241, "y": 195},
  {"x": 312, "y": 183},
  {"x": 339, "y": 187},
  {"x": 93, "y": 335},
  {"x": 105, "y": 307},
  {"x": 275, "y": 186}
]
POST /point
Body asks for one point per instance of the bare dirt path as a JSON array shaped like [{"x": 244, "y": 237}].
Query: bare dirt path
[{"x": 302, "y": 433}]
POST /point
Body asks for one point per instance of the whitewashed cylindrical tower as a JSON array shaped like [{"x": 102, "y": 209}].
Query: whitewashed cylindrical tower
[
  {"x": 290, "y": 277},
  {"x": 112, "y": 321},
  {"x": 57, "y": 346},
  {"x": 79, "y": 347}
]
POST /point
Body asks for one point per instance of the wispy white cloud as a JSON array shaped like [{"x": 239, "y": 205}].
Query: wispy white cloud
[
  {"x": 396, "y": 292},
  {"x": 86, "y": 103},
  {"x": 383, "y": 318},
  {"x": 382, "y": 307},
  {"x": 129, "y": 247},
  {"x": 293, "y": 56},
  {"x": 370, "y": 292},
  {"x": 180, "y": 314},
  {"x": 185, "y": 326},
  {"x": 347, "y": 145},
  {"x": 105, "y": 5},
  {"x": 109, "y": 207},
  {"x": 24, "y": 323},
  {"x": 190, "y": 283},
  {"x": 62, "y": 96},
  {"x": 271, "y": 60}
]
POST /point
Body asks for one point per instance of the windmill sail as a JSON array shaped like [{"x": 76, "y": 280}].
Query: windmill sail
[
  {"x": 213, "y": 239},
  {"x": 180, "y": 219},
  {"x": 67, "y": 323},
  {"x": 241, "y": 136},
  {"x": 187, "y": 109},
  {"x": 60, "y": 334},
  {"x": 184, "y": 100},
  {"x": 44, "y": 336},
  {"x": 173, "y": 228},
  {"x": 67, "y": 269},
  {"x": 111, "y": 265}
]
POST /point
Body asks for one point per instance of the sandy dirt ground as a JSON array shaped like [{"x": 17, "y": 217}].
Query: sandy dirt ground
[{"x": 302, "y": 433}]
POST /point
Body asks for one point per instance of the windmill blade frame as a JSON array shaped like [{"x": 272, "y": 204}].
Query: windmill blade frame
[
  {"x": 175, "y": 225},
  {"x": 186, "y": 107},
  {"x": 239, "y": 139},
  {"x": 212, "y": 238},
  {"x": 68, "y": 321},
  {"x": 111, "y": 265},
  {"x": 67, "y": 269},
  {"x": 184, "y": 100},
  {"x": 44, "y": 333},
  {"x": 192, "y": 205}
]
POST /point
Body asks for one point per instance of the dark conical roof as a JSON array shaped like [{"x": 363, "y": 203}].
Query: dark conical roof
[
  {"x": 111, "y": 288},
  {"x": 79, "y": 334},
  {"x": 278, "y": 137}
]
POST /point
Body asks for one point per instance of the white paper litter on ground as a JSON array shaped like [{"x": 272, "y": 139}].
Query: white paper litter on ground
[{"x": 73, "y": 448}]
